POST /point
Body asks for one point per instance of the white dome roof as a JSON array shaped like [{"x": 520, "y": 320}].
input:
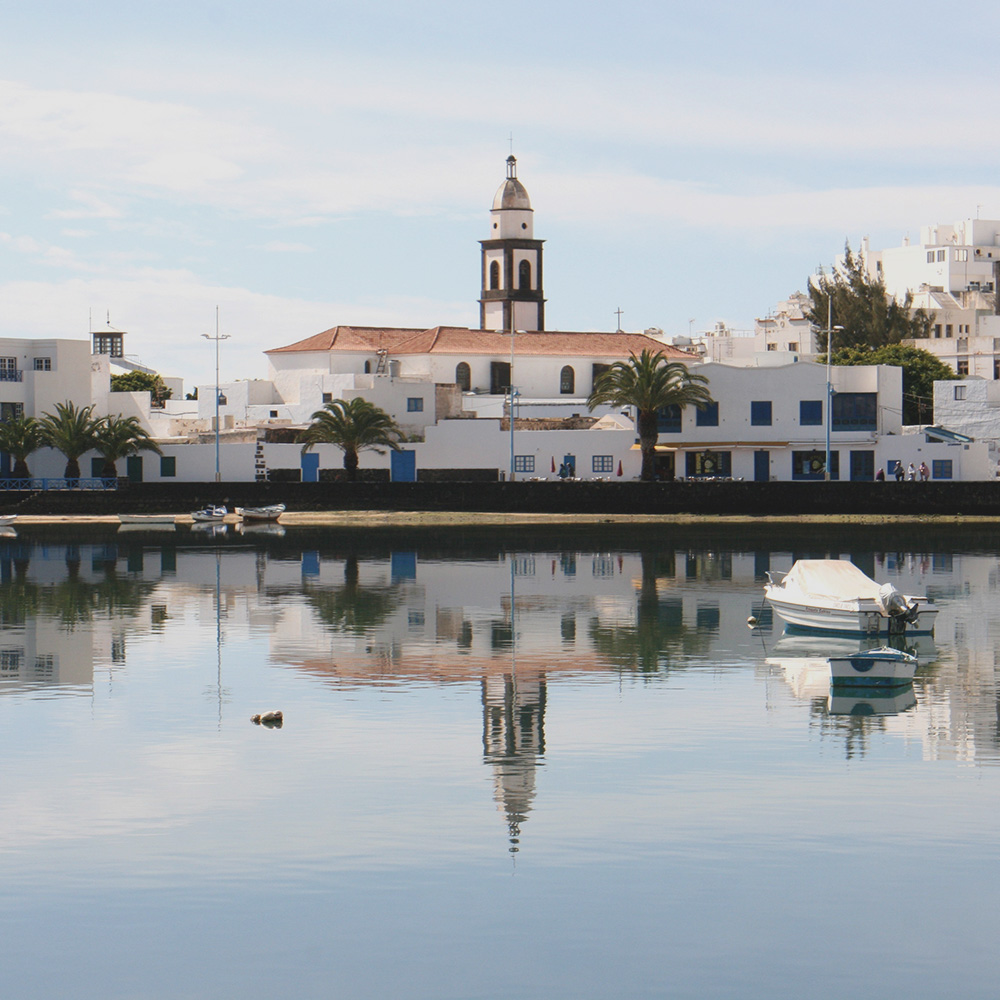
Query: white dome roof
[{"x": 512, "y": 194}]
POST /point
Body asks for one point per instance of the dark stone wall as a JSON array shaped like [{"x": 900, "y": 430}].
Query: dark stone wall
[{"x": 749, "y": 498}]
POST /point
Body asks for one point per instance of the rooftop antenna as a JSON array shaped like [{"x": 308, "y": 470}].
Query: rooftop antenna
[{"x": 510, "y": 139}]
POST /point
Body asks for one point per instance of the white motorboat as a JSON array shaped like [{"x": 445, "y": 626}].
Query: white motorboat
[
  {"x": 7, "y": 519},
  {"x": 269, "y": 513},
  {"x": 834, "y": 595},
  {"x": 209, "y": 515},
  {"x": 883, "y": 667}
]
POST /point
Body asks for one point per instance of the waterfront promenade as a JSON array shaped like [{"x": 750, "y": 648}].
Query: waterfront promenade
[{"x": 727, "y": 498}]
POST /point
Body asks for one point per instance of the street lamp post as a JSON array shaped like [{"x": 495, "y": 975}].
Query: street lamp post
[
  {"x": 512, "y": 393},
  {"x": 829, "y": 383},
  {"x": 218, "y": 337}
]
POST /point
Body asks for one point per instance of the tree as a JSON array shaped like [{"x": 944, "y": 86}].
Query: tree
[
  {"x": 921, "y": 370},
  {"x": 19, "y": 437},
  {"x": 118, "y": 437},
  {"x": 71, "y": 430},
  {"x": 353, "y": 425},
  {"x": 870, "y": 317},
  {"x": 142, "y": 382},
  {"x": 649, "y": 382}
]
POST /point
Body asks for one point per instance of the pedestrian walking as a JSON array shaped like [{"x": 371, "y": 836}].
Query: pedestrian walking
[
  {"x": 925, "y": 473},
  {"x": 880, "y": 475},
  {"x": 898, "y": 472},
  {"x": 911, "y": 473}
]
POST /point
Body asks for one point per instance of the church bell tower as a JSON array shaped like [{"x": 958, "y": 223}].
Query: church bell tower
[{"x": 511, "y": 297}]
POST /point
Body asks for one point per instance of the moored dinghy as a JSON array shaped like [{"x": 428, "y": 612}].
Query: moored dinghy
[
  {"x": 209, "y": 515},
  {"x": 882, "y": 667},
  {"x": 270, "y": 513},
  {"x": 148, "y": 520},
  {"x": 834, "y": 595}
]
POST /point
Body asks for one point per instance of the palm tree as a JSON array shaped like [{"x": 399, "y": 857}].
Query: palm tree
[
  {"x": 19, "y": 437},
  {"x": 71, "y": 430},
  {"x": 118, "y": 437},
  {"x": 649, "y": 383},
  {"x": 353, "y": 425}
]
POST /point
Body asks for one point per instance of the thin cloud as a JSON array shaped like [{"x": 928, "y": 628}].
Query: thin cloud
[{"x": 277, "y": 246}]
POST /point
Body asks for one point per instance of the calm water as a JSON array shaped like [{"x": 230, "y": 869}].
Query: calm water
[{"x": 553, "y": 764}]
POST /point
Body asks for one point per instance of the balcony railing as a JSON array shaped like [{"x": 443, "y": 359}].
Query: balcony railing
[
  {"x": 82, "y": 483},
  {"x": 11, "y": 375}
]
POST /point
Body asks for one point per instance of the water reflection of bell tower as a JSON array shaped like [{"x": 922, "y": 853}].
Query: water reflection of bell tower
[{"x": 513, "y": 741}]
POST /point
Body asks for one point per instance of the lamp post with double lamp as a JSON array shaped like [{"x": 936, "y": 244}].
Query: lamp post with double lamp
[{"x": 217, "y": 338}]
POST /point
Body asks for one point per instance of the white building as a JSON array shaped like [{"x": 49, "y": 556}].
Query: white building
[{"x": 952, "y": 274}]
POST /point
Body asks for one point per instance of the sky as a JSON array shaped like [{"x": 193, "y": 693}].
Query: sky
[{"x": 287, "y": 167}]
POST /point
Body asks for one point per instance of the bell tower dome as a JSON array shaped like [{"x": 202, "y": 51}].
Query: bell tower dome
[{"x": 511, "y": 297}]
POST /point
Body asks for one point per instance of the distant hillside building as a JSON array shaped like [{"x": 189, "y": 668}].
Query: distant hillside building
[{"x": 952, "y": 274}]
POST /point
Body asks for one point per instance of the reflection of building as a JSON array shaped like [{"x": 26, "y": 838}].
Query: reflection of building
[
  {"x": 434, "y": 618},
  {"x": 513, "y": 741}
]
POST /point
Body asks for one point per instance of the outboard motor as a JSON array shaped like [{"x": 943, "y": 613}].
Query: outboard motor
[{"x": 900, "y": 611}]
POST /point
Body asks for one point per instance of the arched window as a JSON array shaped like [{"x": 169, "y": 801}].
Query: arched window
[
  {"x": 368, "y": 368},
  {"x": 495, "y": 274},
  {"x": 524, "y": 274},
  {"x": 463, "y": 376},
  {"x": 567, "y": 381}
]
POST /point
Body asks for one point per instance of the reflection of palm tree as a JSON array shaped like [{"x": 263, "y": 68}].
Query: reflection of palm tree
[
  {"x": 352, "y": 608},
  {"x": 18, "y": 600},
  {"x": 658, "y": 631},
  {"x": 73, "y": 601}
]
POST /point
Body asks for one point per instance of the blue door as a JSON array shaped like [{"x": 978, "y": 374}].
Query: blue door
[
  {"x": 862, "y": 466},
  {"x": 310, "y": 467},
  {"x": 133, "y": 468},
  {"x": 403, "y": 466},
  {"x": 761, "y": 466}
]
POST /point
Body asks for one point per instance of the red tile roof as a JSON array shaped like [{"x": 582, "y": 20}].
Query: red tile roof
[{"x": 461, "y": 340}]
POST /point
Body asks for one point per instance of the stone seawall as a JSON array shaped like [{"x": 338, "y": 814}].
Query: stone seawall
[{"x": 981, "y": 499}]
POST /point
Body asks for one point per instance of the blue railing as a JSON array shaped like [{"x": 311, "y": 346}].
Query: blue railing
[
  {"x": 59, "y": 484},
  {"x": 11, "y": 375}
]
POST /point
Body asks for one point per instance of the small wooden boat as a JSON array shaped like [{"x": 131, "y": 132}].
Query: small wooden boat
[
  {"x": 883, "y": 667},
  {"x": 209, "y": 515},
  {"x": 269, "y": 513},
  {"x": 148, "y": 520}
]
